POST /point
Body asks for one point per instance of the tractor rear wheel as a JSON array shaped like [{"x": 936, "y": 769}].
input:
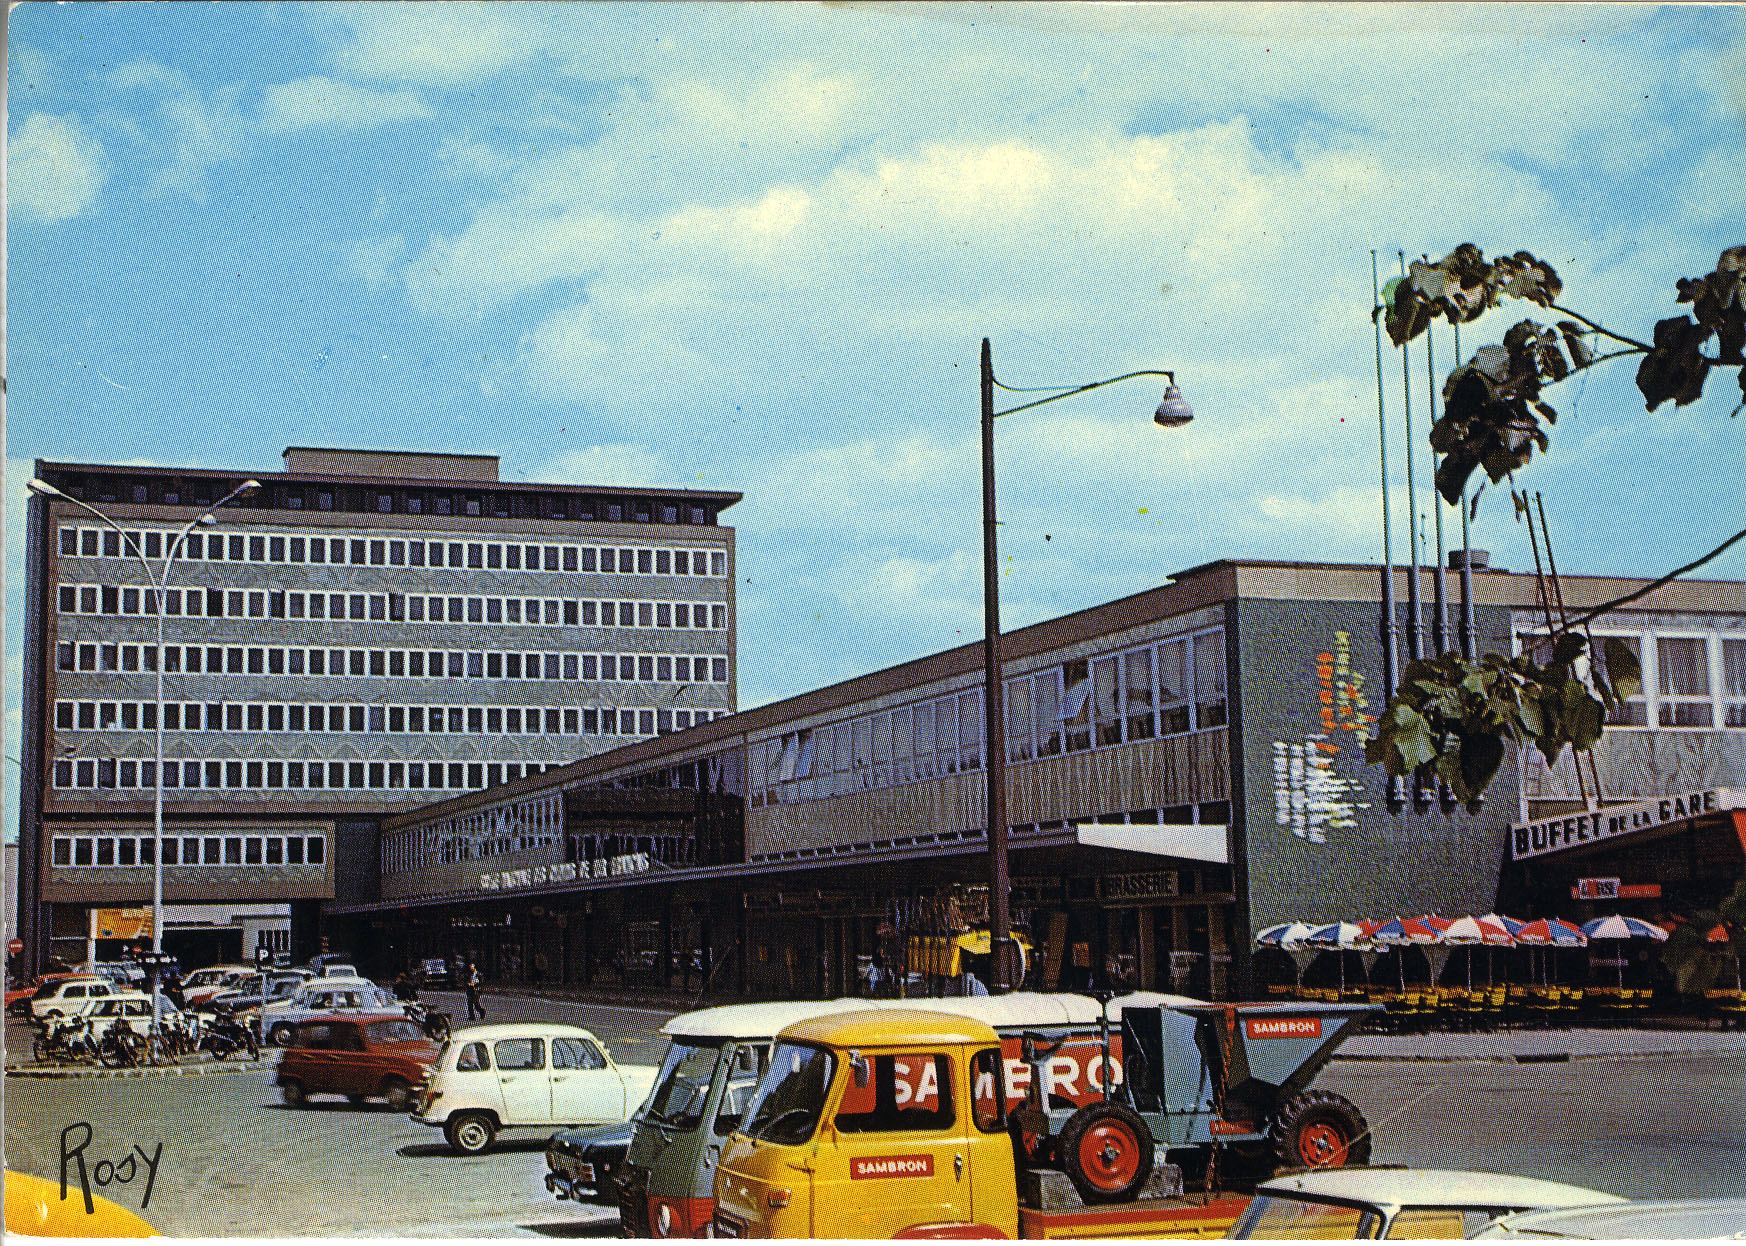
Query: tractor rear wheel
[
  {"x": 1320, "y": 1129},
  {"x": 1106, "y": 1151}
]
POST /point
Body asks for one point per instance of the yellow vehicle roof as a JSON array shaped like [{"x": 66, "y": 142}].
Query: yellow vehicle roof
[
  {"x": 34, "y": 1208},
  {"x": 890, "y": 1027}
]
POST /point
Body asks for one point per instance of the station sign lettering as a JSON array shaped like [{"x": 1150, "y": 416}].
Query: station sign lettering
[
  {"x": 1535, "y": 839},
  {"x": 566, "y": 872}
]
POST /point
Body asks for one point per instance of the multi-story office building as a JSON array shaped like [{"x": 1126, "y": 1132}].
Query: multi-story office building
[
  {"x": 364, "y": 632},
  {"x": 1185, "y": 767}
]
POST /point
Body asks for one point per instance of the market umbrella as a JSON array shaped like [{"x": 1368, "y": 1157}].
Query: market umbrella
[
  {"x": 1402, "y": 933},
  {"x": 1437, "y": 951},
  {"x": 1339, "y": 938},
  {"x": 1550, "y": 932},
  {"x": 1619, "y": 927},
  {"x": 1510, "y": 925},
  {"x": 1470, "y": 932},
  {"x": 1288, "y": 937}
]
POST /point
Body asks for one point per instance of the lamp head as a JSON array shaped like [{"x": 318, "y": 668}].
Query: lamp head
[
  {"x": 247, "y": 487},
  {"x": 1174, "y": 411},
  {"x": 45, "y": 488}
]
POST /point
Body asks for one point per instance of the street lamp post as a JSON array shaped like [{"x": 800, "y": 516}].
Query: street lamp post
[
  {"x": 159, "y": 581},
  {"x": 1172, "y": 412}
]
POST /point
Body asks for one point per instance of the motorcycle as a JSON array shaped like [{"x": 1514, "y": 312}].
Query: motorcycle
[
  {"x": 120, "y": 1047},
  {"x": 65, "y": 1039},
  {"x": 435, "y": 1025},
  {"x": 225, "y": 1038}
]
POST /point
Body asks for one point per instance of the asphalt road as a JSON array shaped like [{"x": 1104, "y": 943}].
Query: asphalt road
[{"x": 236, "y": 1163}]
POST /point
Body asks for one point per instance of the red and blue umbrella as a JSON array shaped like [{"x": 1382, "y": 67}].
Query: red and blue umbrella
[{"x": 1619, "y": 927}]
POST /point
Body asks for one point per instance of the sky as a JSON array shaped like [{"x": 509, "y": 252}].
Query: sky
[{"x": 755, "y": 247}]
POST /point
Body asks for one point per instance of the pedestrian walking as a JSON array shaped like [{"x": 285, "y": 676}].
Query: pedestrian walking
[{"x": 475, "y": 1006}]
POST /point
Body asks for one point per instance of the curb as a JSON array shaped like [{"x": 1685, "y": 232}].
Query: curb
[
  {"x": 170, "y": 1070},
  {"x": 1527, "y": 1057}
]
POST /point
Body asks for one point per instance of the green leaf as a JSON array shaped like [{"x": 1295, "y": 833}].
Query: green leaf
[
  {"x": 1481, "y": 755},
  {"x": 1624, "y": 672},
  {"x": 1568, "y": 647}
]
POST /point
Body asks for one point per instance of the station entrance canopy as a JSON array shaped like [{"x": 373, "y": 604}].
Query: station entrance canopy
[{"x": 1575, "y": 831}]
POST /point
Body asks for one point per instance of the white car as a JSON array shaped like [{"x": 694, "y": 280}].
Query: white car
[
  {"x": 322, "y": 997},
  {"x": 1386, "y": 1201},
  {"x": 133, "y": 1007},
  {"x": 489, "y": 1078},
  {"x": 1665, "y": 1220},
  {"x": 70, "y": 995}
]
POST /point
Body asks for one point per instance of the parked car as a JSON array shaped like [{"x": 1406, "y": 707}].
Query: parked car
[
  {"x": 368, "y": 1056},
  {"x": 1385, "y": 1201},
  {"x": 67, "y": 996},
  {"x": 18, "y": 998},
  {"x": 583, "y": 1162},
  {"x": 314, "y": 963},
  {"x": 318, "y": 996},
  {"x": 134, "y": 1007},
  {"x": 202, "y": 984},
  {"x": 245, "y": 999},
  {"x": 434, "y": 972},
  {"x": 489, "y": 1078},
  {"x": 1668, "y": 1219}
]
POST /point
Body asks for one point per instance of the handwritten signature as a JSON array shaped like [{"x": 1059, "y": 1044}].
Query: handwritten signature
[{"x": 104, "y": 1172}]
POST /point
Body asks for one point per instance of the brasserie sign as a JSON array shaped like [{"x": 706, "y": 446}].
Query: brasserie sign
[{"x": 1537, "y": 839}]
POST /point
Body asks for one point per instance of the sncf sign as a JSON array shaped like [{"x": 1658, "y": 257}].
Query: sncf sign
[
  {"x": 1283, "y": 1027},
  {"x": 863, "y": 1168}
]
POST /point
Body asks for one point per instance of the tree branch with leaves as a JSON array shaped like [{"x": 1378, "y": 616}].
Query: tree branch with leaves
[{"x": 1455, "y": 716}]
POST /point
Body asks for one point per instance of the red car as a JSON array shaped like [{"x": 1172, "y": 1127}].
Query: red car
[{"x": 372, "y": 1056}]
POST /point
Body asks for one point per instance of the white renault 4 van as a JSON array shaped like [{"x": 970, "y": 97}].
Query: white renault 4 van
[{"x": 489, "y": 1078}]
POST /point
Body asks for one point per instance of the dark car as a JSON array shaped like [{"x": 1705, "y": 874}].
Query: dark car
[
  {"x": 583, "y": 1162},
  {"x": 372, "y": 1056}
]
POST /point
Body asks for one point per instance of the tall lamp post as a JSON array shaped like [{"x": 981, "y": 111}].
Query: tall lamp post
[
  {"x": 159, "y": 579},
  {"x": 1172, "y": 412}
]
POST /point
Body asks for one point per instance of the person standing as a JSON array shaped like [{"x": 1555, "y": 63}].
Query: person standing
[{"x": 474, "y": 982}]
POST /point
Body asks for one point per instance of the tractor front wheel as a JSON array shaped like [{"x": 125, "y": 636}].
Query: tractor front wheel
[{"x": 1106, "y": 1151}]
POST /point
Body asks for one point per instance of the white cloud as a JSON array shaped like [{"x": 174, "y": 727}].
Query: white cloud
[
  {"x": 318, "y": 102},
  {"x": 448, "y": 45},
  {"x": 198, "y": 133},
  {"x": 55, "y": 168}
]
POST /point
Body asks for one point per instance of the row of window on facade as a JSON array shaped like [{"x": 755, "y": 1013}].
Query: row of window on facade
[
  {"x": 103, "y": 657},
  {"x": 126, "y": 600},
  {"x": 1689, "y": 679},
  {"x": 377, "y": 551},
  {"x": 102, "y": 773},
  {"x": 321, "y": 718},
  {"x": 122, "y": 850},
  {"x": 525, "y": 825},
  {"x": 1169, "y": 688}
]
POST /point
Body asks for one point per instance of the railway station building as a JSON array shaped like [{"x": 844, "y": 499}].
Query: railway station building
[{"x": 1185, "y": 768}]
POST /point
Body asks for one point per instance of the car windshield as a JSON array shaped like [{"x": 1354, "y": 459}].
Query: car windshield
[
  {"x": 395, "y": 1031},
  {"x": 682, "y": 1085},
  {"x": 789, "y": 1099},
  {"x": 1269, "y": 1216}
]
